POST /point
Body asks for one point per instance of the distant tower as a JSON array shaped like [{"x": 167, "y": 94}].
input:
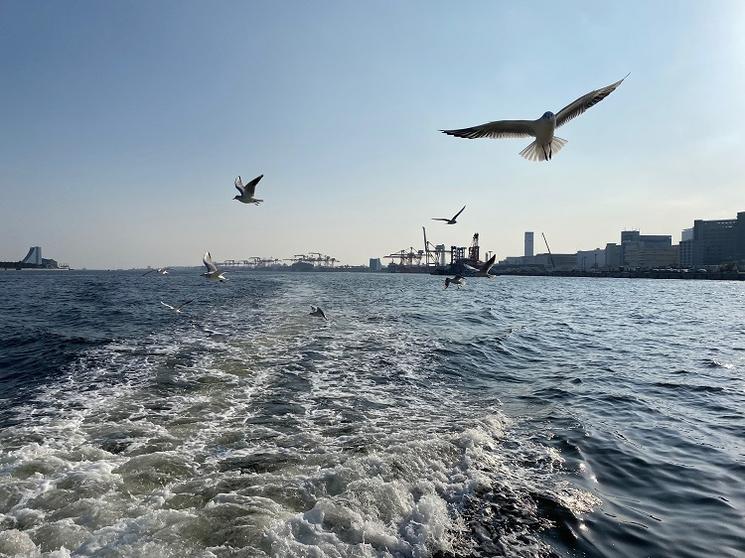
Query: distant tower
[{"x": 529, "y": 244}]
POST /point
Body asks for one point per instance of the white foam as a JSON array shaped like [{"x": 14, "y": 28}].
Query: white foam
[{"x": 279, "y": 439}]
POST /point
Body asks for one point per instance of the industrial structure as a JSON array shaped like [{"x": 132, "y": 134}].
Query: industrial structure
[
  {"x": 312, "y": 261},
  {"x": 435, "y": 258},
  {"x": 33, "y": 260}
]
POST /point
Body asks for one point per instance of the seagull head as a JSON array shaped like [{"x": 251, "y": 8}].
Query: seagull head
[{"x": 548, "y": 115}]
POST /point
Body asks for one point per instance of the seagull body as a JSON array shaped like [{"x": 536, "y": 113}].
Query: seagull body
[
  {"x": 542, "y": 129},
  {"x": 458, "y": 280},
  {"x": 247, "y": 191},
  {"x": 484, "y": 270},
  {"x": 178, "y": 308},
  {"x": 213, "y": 274},
  {"x": 160, "y": 270},
  {"x": 318, "y": 312},
  {"x": 451, "y": 221}
]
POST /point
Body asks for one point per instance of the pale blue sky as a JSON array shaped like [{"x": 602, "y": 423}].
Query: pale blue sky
[{"x": 123, "y": 124}]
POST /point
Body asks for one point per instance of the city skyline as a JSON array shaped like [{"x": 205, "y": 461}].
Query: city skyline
[{"x": 123, "y": 137}]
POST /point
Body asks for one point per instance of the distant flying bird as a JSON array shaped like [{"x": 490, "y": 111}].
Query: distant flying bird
[
  {"x": 178, "y": 308},
  {"x": 318, "y": 312},
  {"x": 449, "y": 221},
  {"x": 213, "y": 274},
  {"x": 247, "y": 191},
  {"x": 542, "y": 129},
  {"x": 160, "y": 270},
  {"x": 458, "y": 280}
]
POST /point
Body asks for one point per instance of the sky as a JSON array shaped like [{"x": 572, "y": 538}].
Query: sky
[{"x": 123, "y": 125}]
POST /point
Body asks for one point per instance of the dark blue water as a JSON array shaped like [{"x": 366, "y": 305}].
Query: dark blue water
[{"x": 516, "y": 416}]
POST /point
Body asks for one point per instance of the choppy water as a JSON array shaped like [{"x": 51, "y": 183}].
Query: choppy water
[{"x": 515, "y": 417}]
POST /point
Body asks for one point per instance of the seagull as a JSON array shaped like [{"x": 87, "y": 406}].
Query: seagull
[
  {"x": 247, "y": 191},
  {"x": 450, "y": 221},
  {"x": 457, "y": 280},
  {"x": 317, "y": 311},
  {"x": 542, "y": 129},
  {"x": 178, "y": 308},
  {"x": 213, "y": 274},
  {"x": 160, "y": 270},
  {"x": 483, "y": 270}
]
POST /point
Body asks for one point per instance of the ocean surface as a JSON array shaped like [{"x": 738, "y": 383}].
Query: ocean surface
[{"x": 518, "y": 416}]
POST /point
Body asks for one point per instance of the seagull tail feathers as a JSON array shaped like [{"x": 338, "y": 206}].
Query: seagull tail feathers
[{"x": 535, "y": 152}]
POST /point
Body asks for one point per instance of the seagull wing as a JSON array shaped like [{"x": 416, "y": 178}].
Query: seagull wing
[
  {"x": 239, "y": 185},
  {"x": 251, "y": 186},
  {"x": 180, "y": 306},
  {"x": 497, "y": 129},
  {"x": 167, "y": 305},
  {"x": 574, "y": 109},
  {"x": 440, "y": 219},
  {"x": 461, "y": 211},
  {"x": 488, "y": 264},
  {"x": 207, "y": 261}
]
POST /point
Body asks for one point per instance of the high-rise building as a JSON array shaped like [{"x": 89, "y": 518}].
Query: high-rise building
[
  {"x": 685, "y": 249},
  {"x": 528, "y": 244},
  {"x": 613, "y": 256},
  {"x": 719, "y": 241},
  {"x": 375, "y": 264},
  {"x": 647, "y": 251}
]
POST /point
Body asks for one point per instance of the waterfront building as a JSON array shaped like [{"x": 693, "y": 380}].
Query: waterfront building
[
  {"x": 613, "y": 256},
  {"x": 375, "y": 264},
  {"x": 718, "y": 242},
  {"x": 528, "y": 244},
  {"x": 34, "y": 256},
  {"x": 590, "y": 259},
  {"x": 515, "y": 260},
  {"x": 558, "y": 262},
  {"x": 647, "y": 251},
  {"x": 685, "y": 249}
]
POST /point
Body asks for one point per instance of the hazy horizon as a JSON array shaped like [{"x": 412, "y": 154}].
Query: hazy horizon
[{"x": 124, "y": 125}]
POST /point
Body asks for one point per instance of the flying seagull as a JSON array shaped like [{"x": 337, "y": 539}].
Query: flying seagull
[
  {"x": 160, "y": 270},
  {"x": 449, "y": 221},
  {"x": 213, "y": 274},
  {"x": 542, "y": 129},
  {"x": 247, "y": 191},
  {"x": 483, "y": 270},
  {"x": 317, "y": 311},
  {"x": 178, "y": 308},
  {"x": 458, "y": 280}
]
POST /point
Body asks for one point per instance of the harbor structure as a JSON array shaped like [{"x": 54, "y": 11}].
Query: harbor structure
[{"x": 33, "y": 260}]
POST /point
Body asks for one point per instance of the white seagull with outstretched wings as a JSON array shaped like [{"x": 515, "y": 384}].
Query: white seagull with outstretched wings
[
  {"x": 542, "y": 129},
  {"x": 213, "y": 274},
  {"x": 178, "y": 308}
]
